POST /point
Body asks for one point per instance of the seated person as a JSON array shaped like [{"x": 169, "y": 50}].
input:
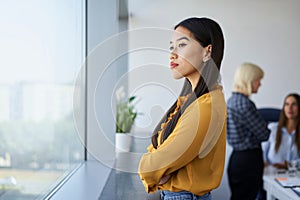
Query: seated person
[{"x": 284, "y": 141}]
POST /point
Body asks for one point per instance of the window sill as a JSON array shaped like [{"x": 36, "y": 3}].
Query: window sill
[{"x": 87, "y": 182}]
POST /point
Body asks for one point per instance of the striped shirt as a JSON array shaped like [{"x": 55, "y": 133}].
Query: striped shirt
[{"x": 246, "y": 128}]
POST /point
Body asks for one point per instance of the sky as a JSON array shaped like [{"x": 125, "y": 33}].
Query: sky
[{"x": 40, "y": 41}]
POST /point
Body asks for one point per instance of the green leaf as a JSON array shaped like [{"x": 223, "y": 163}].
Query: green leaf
[
  {"x": 131, "y": 99},
  {"x": 125, "y": 115}
]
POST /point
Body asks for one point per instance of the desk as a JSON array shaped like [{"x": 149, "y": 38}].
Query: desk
[{"x": 274, "y": 190}]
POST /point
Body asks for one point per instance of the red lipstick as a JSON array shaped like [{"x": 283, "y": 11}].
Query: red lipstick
[{"x": 173, "y": 65}]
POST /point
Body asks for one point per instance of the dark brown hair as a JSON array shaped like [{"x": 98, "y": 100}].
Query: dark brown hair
[
  {"x": 283, "y": 122},
  {"x": 206, "y": 32}
]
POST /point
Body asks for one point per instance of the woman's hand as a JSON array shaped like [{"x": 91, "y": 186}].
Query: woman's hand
[
  {"x": 266, "y": 164},
  {"x": 164, "y": 179},
  {"x": 280, "y": 165}
]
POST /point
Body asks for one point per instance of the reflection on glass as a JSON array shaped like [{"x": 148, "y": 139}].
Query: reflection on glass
[{"x": 42, "y": 48}]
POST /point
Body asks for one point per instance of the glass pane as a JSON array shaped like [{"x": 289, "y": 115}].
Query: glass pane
[{"x": 42, "y": 49}]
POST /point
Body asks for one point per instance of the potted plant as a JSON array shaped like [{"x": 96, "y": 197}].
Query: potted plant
[{"x": 125, "y": 117}]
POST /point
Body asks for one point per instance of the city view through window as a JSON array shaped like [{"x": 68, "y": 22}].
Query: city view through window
[{"x": 42, "y": 50}]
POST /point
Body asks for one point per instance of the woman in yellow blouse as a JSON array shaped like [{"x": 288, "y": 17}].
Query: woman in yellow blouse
[{"x": 187, "y": 154}]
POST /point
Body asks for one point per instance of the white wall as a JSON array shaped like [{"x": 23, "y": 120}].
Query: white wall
[
  {"x": 263, "y": 32},
  {"x": 102, "y": 72}
]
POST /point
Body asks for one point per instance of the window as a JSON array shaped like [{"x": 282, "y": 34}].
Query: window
[{"x": 42, "y": 50}]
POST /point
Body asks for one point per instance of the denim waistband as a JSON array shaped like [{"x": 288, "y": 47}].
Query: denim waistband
[{"x": 183, "y": 195}]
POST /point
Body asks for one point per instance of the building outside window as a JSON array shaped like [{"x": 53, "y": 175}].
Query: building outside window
[{"x": 42, "y": 51}]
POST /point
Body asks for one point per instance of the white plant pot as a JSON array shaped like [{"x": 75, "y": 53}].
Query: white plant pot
[{"x": 123, "y": 142}]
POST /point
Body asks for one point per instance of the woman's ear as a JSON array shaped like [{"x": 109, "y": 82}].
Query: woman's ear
[{"x": 207, "y": 53}]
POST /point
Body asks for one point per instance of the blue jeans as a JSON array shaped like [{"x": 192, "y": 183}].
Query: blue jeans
[{"x": 183, "y": 195}]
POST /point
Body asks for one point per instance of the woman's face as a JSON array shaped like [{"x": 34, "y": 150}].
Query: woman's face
[
  {"x": 255, "y": 85},
  {"x": 186, "y": 55},
  {"x": 291, "y": 108}
]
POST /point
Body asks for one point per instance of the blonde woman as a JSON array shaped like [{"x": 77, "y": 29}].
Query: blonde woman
[{"x": 246, "y": 129}]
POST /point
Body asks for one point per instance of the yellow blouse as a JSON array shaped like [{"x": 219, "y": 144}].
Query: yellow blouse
[
  {"x": 194, "y": 153},
  {"x": 181, "y": 100}
]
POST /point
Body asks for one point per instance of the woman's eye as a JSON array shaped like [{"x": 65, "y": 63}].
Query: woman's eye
[
  {"x": 171, "y": 48},
  {"x": 181, "y": 45}
]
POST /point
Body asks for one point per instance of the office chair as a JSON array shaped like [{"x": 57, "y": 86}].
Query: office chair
[{"x": 270, "y": 114}]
